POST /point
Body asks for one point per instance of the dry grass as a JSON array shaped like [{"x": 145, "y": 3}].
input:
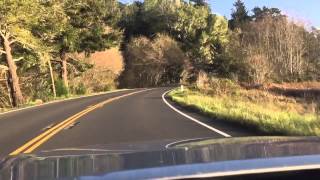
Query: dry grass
[
  {"x": 107, "y": 66},
  {"x": 300, "y": 85},
  {"x": 267, "y": 112},
  {"x": 110, "y": 59}
]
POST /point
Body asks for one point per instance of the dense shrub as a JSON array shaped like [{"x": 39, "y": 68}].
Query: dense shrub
[
  {"x": 152, "y": 62},
  {"x": 4, "y": 98},
  {"x": 61, "y": 89},
  {"x": 80, "y": 89},
  {"x": 211, "y": 85},
  {"x": 94, "y": 80}
]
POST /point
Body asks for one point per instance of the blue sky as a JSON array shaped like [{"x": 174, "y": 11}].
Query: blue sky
[{"x": 300, "y": 10}]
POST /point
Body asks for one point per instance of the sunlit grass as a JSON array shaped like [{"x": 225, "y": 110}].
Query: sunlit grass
[{"x": 267, "y": 116}]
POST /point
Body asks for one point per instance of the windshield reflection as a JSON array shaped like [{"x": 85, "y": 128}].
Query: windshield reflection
[{"x": 65, "y": 167}]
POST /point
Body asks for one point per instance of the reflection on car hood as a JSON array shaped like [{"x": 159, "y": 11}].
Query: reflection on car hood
[{"x": 166, "y": 159}]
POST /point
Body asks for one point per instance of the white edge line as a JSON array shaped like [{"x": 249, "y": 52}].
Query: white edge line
[
  {"x": 191, "y": 118},
  {"x": 62, "y": 100}
]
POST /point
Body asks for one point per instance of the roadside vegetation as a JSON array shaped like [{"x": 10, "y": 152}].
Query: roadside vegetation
[
  {"x": 260, "y": 109},
  {"x": 39, "y": 46}
]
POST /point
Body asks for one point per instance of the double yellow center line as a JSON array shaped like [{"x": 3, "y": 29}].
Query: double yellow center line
[{"x": 45, "y": 136}]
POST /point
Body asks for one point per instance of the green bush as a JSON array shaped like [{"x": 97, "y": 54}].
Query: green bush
[
  {"x": 80, "y": 89},
  {"x": 61, "y": 89}
]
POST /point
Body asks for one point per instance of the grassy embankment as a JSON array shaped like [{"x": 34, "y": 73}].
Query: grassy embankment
[{"x": 259, "y": 109}]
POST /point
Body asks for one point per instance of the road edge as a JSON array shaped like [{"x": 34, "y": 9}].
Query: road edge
[
  {"x": 62, "y": 100},
  {"x": 191, "y": 118}
]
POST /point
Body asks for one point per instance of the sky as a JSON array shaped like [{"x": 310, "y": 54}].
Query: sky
[
  {"x": 300, "y": 10},
  {"x": 306, "y": 11}
]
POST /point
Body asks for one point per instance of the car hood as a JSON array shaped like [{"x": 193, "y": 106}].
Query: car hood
[{"x": 167, "y": 159}]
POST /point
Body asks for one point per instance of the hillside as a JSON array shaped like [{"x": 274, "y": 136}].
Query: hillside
[{"x": 110, "y": 59}]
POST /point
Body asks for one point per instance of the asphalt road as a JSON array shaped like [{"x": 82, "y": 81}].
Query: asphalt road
[{"x": 129, "y": 116}]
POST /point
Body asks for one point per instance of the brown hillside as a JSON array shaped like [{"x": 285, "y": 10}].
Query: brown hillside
[{"x": 110, "y": 59}]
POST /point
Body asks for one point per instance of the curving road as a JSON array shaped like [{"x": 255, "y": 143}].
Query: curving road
[{"x": 128, "y": 116}]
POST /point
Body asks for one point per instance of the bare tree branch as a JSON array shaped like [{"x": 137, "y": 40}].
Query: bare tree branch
[
  {"x": 2, "y": 51},
  {"x": 72, "y": 58},
  {"x": 2, "y": 35},
  {"x": 18, "y": 59},
  {"x": 13, "y": 41}
]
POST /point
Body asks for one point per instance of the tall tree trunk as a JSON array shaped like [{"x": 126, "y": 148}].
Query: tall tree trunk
[
  {"x": 17, "y": 97},
  {"x": 8, "y": 87},
  {"x": 64, "y": 71},
  {"x": 52, "y": 80}
]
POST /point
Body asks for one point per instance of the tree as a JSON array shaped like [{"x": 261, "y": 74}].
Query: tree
[
  {"x": 149, "y": 18},
  {"x": 270, "y": 48},
  {"x": 239, "y": 15},
  {"x": 17, "y": 19},
  {"x": 260, "y": 13},
  {"x": 312, "y": 40},
  {"x": 190, "y": 23},
  {"x": 213, "y": 39},
  {"x": 200, "y": 2},
  {"x": 202, "y": 33},
  {"x": 90, "y": 29},
  {"x": 132, "y": 21},
  {"x": 52, "y": 22},
  {"x": 160, "y": 15}
]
